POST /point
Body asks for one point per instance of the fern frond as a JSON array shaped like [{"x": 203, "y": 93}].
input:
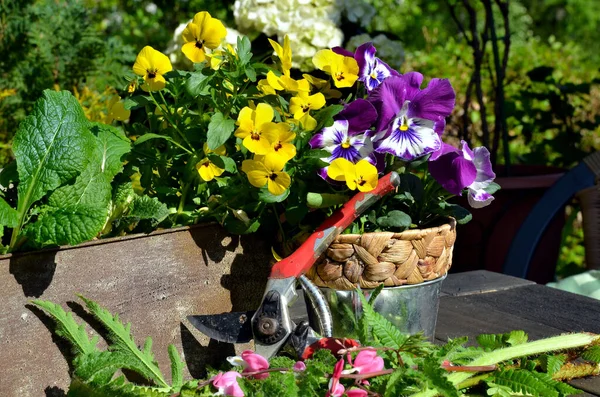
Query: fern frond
[
  {"x": 436, "y": 377},
  {"x": 383, "y": 330},
  {"x": 117, "y": 388},
  {"x": 120, "y": 339},
  {"x": 525, "y": 382},
  {"x": 562, "y": 388},
  {"x": 552, "y": 363},
  {"x": 592, "y": 354},
  {"x": 68, "y": 328},
  {"x": 176, "y": 367}
]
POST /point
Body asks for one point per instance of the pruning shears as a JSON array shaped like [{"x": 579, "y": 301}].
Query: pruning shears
[{"x": 271, "y": 325}]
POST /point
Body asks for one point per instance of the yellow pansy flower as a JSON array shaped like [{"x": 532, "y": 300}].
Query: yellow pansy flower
[
  {"x": 219, "y": 56},
  {"x": 264, "y": 87},
  {"x": 343, "y": 70},
  {"x": 282, "y": 146},
  {"x": 285, "y": 82},
  {"x": 152, "y": 65},
  {"x": 323, "y": 86},
  {"x": 268, "y": 171},
  {"x": 256, "y": 129},
  {"x": 284, "y": 53},
  {"x": 203, "y": 32},
  {"x": 302, "y": 103},
  {"x": 116, "y": 110},
  {"x": 362, "y": 175},
  {"x": 206, "y": 168}
]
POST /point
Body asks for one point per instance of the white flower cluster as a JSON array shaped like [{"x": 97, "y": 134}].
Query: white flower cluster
[
  {"x": 310, "y": 24},
  {"x": 389, "y": 51}
]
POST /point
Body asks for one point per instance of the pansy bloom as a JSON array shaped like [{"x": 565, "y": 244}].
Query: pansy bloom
[
  {"x": 267, "y": 170},
  {"x": 411, "y": 120},
  {"x": 116, "y": 110},
  {"x": 457, "y": 170},
  {"x": 347, "y": 137},
  {"x": 203, "y": 32},
  {"x": 206, "y": 168},
  {"x": 361, "y": 176},
  {"x": 256, "y": 129},
  {"x": 152, "y": 65},
  {"x": 371, "y": 70},
  {"x": 342, "y": 69}
]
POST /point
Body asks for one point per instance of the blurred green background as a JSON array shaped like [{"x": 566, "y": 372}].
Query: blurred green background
[{"x": 541, "y": 102}]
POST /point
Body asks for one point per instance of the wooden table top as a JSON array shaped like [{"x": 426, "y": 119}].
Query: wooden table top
[{"x": 480, "y": 301}]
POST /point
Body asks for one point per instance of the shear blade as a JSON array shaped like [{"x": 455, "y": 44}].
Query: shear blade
[{"x": 227, "y": 327}]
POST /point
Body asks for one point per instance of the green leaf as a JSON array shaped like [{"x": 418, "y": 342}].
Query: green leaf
[
  {"x": 317, "y": 153},
  {"x": 116, "y": 388},
  {"x": 236, "y": 226},
  {"x": 521, "y": 381},
  {"x": 144, "y": 207},
  {"x": 491, "y": 341},
  {"x": 267, "y": 197},
  {"x": 383, "y": 330},
  {"x": 150, "y": 136},
  {"x": 71, "y": 224},
  {"x": 324, "y": 200},
  {"x": 134, "y": 102},
  {"x": 98, "y": 368},
  {"x": 517, "y": 337},
  {"x": 251, "y": 73},
  {"x": 68, "y": 328},
  {"x": 9, "y": 216},
  {"x": 552, "y": 363},
  {"x": 592, "y": 354},
  {"x": 219, "y": 130},
  {"x": 324, "y": 116},
  {"x": 52, "y": 146},
  {"x": 77, "y": 212},
  {"x": 197, "y": 84},
  {"x": 243, "y": 49},
  {"x": 122, "y": 341},
  {"x": 457, "y": 212},
  {"x": 395, "y": 219},
  {"x": 176, "y": 367},
  {"x": 412, "y": 184},
  {"x": 492, "y": 188},
  {"x": 437, "y": 377}
]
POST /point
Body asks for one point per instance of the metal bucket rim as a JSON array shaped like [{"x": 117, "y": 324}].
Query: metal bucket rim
[{"x": 405, "y": 286}]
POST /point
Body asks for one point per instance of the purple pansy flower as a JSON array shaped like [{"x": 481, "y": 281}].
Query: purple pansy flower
[
  {"x": 458, "y": 169},
  {"x": 347, "y": 136},
  {"x": 411, "y": 120},
  {"x": 371, "y": 70}
]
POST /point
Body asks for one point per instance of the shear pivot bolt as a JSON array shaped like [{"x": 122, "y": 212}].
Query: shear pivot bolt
[{"x": 268, "y": 326}]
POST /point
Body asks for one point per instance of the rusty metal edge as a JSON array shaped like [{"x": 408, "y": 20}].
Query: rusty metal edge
[{"x": 110, "y": 240}]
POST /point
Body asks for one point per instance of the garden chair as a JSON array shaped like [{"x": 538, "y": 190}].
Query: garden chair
[{"x": 581, "y": 181}]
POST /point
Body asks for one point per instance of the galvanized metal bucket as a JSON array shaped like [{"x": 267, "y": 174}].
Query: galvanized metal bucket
[{"x": 412, "y": 308}]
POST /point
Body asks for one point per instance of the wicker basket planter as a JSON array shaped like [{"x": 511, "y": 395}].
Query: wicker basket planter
[{"x": 396, "y": 259}]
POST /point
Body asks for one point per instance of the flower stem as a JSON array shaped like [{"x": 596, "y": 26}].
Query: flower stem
[{"x": 167, "y": 115}]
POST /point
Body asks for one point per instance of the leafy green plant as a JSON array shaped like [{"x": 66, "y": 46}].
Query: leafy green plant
[
  {"x": 51, "y": 44},
  {"x": 65, "y": 166},
  {"x": 502, "y": 365}
]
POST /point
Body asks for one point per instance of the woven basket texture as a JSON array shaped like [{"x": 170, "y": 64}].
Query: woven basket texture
[{"x": 367, "y": 260}]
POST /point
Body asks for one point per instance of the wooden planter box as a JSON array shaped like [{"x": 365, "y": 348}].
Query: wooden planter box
[{"x": 153, "y": 281}]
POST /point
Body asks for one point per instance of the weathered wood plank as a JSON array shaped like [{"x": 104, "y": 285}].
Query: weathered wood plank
[
  {"x": 154, "y": 282},
  {"x": 480, "y": 281}
]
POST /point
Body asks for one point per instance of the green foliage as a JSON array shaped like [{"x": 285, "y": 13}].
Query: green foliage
[
  {"x": 423, "y": 369},
  {"x": 46, "y": 44},
  {"x": 65, "y": 169}
]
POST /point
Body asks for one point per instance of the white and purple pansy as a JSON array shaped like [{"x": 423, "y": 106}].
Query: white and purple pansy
[
  {"x": 371, "y": 70},
  {"x": 347, "y": 137},
  {"x": 457, "y": 170},
  {"x": 411, "y": 120}
]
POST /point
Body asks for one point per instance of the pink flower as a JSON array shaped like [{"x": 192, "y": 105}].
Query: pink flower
[
  {"x": 299, "y": 366},
  {"x": 356, "y": 393},
  {"x": 227, "y": 384},
  {"x": 366, "y": 361},
  {"x": 336, "y": 389},
  {"x": 251, "y": 362}
]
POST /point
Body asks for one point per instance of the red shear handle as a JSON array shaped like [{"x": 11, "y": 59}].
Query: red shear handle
[{"x": 304, "y": 257}]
